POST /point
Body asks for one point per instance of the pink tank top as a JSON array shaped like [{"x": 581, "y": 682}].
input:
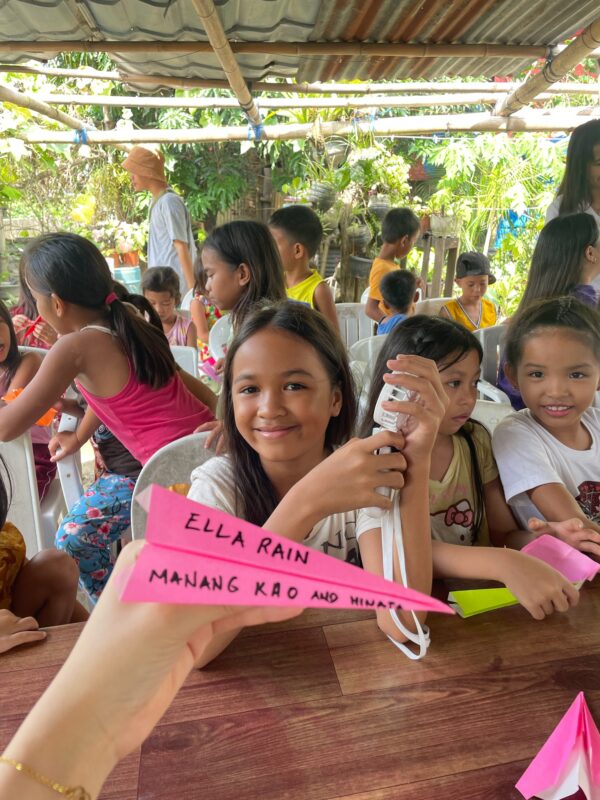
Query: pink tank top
[
  {"x": 179, "y": 331},
  {"x": 144, "y": 419}
]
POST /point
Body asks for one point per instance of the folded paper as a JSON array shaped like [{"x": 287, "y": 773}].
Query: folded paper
[
  {"x": 574, "y": 565},
  {"x": 197, "y": 554},
  {"x": 568, "y": 761},
  {"x": 469, "y": 602}
]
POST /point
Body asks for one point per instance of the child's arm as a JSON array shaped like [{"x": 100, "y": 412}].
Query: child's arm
[
  {"x": 199, "y": 390},
  {"x": 198, "y": 315},
  {"x": 65, "y": 443},
  {"x": 372, "y": 309},
  {"x": 191, "y": 336},
  {"x": 539, "y": 588},
  {"x": 27, "y": 369},
  {"x": 58, "y": 369},
  {"x": 323, "y": 301},
  {"x": 444, "y": 313},
  {"x": 556, "y": 503}
]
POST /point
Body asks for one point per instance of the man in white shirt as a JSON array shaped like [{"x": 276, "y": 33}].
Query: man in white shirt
[{"x": 171, "y": 240}]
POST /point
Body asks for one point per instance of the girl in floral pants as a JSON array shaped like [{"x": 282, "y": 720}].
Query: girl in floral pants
[{"x": 101, "y": 515}]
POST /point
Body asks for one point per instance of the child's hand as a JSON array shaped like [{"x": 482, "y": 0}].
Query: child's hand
[
  {"x": 63, "y": 444},
  {"x": 45, "y": 332},
  {"x": 572, "y": 531},
  {"x": 537, "y": 586},
  {"x": 348, "y": 478},
  {"x": 219, "y": 364},
  {"x": 216, "y": 438},
  {"x": 427, "y": 412},
  {"x": 17, "y": 630}
]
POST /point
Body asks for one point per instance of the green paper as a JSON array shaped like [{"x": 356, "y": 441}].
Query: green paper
[{"x": 476, "y": 601}]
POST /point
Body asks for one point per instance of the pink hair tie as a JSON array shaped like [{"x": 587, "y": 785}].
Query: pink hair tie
[{"x": 110, "y": 298}]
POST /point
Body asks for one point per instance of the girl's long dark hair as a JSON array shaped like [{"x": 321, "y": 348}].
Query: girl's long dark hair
[
  {"x": 574, "y": 187},
  {"x": 73, "y": 269},
  {"x": 5, "y": 492},
  {"x": 445, "y": 342},
  {"x": 251, "y": 243},
  {"x": 26, "y": 299},
  {"x": 566, "y": 313},
  {"x": 557, "y": 259},
  {"x": 13, "y": 357},
  {"x": 256, "y": 497}
]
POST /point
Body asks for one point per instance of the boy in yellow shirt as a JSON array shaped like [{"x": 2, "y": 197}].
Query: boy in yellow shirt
[
  {"x": 472, "y": 309},
  {"x": 297, "y": 231},
  {"x": 400, "y": 230}
]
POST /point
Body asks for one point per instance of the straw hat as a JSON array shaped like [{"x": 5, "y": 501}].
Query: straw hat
[{"x": 146, "y": 163}]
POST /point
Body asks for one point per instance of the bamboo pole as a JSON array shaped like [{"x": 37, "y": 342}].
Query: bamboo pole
[
  {"x": 222, "y": 49},
  {"x": 372, "y": 101},
  {"x": 570, "y": 88},
  {"x": 367, "y": 49},
  {"x": 542, "y": 120},
  {"x": 553, "y": 71}
]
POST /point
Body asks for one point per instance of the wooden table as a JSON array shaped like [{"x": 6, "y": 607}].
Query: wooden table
[{"x": 322, "y": 707}]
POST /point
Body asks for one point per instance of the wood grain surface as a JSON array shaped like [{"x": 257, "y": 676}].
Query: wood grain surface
[{"x": 324, "y": 708}]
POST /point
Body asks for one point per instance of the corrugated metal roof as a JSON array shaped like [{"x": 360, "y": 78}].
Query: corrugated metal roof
[{"x": 533, "y": 22}]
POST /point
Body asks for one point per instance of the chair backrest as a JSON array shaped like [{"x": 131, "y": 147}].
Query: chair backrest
[
  {"x": 172, "y": 464},
  {"x": 354, "y": 323},
  {"x": 186, "y": 358},
  {"x": 25, "y": 511},
  {"x": 431, "y": 306},
  {"x": 491, "y": 341},
  {"x": 69, "y": 468},
  {"x": 364, "y": 296},
  {"x": 219, "y": 337},
  {"x": 367, "y": 349},
  {"x": 489, "y": 413},
  {"x": 23, "y": 348},
  {"x": 187, "y": 300}
]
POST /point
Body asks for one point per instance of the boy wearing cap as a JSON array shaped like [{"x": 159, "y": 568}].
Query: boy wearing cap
[
  {"x": 170, "y": 240},
  {"x": 472, "y": 309}
]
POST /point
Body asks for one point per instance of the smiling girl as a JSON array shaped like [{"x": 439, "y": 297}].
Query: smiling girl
[{"x": 549, "y": 453}]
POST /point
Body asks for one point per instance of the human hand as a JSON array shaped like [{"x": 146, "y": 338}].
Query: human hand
[
  {"x": 216, "y": 439},
  {"x": 419, "y": 375},
  {"x": 348, "y": 478},
  {"x": 219, "y": 364},
  {"x": 15, "y": 631},
  {"x": 537, "y": 586},
  {"x": 45, "y": 332},
  {"x": 63, "y": 444},
  {"x": 572, "y": 531}
]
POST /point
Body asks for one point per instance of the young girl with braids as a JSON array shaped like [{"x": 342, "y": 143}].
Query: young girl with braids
[
  {"x": 466, "y": 500},
  {"x": 122, "y": 365}
]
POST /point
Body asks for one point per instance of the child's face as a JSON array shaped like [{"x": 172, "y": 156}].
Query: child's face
[
  {"x": 163, "y": 303},
  {"x": 473, "y": 288},
  {"x": 4, "y": 341},
  {"x": 49, "y": 308},
  {"x": 282, "y": 399},
  {"x": 224, "y": 286},
  {"x": 460, "y": 384},
  {"x": 290, "y": 252},
  {"x": 557, "y": 376},
  {"x": 405, "y": 244}
]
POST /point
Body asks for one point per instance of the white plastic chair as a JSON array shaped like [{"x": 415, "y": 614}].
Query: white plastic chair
[
  {"x": 354, "y": 323},
  {"x": 491, "y": 392},
  {"x": 69, "y": 468},
  {"x": 364, "y": 296},
  {"x": 37, "y": 522},
  {"x": 367, "y": 349},
  {"x": 491, "y": 341},
  {"x": 431, "y": 306},
  {"x": 219, "y": 336},
  {"x": 489, "y": 413},
  {"x": 187, "y": 300},
  {"x": 172, "y": 464},
  {"x": 186, "y": 358}
]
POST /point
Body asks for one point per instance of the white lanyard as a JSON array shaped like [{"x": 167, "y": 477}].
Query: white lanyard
[{"x": 391, "y": 533}]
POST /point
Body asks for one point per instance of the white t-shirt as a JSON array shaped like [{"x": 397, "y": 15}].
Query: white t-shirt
[
  {"x": 170, "y": 221},
  {"x": 528, "y": 455},
  {"x": 213, "y": 485},
  {"x": 552, "y": 212}
]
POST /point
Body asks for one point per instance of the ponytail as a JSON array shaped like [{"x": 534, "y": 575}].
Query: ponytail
[{"x": 72, "y": 268}]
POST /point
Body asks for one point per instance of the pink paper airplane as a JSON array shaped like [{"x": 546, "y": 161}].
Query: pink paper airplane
[
  {"x": 573, "y": 564},
  {"x": 197, "y": 554},
  {"x": 568, "y": 761}
]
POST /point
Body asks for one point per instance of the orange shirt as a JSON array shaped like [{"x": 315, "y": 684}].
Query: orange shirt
[{"x": 379, "y": 268}]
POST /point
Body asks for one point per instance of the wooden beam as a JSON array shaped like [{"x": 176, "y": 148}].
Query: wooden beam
[
  {"x": 371, "y": 101},
  {"x": 379, "y": 49},
  {"x": 222, "y": 50},
  {"x": 570, "y": 88},
  {"x": 553, "y": 71},
  {"x": 541, "y": 120}
]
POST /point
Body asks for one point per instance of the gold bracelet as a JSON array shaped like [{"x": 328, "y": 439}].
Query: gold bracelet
[{"x": 72, "y": 792}]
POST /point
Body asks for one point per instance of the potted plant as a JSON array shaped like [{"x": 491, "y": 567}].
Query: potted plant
[{"x": 442, "y": 222}]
